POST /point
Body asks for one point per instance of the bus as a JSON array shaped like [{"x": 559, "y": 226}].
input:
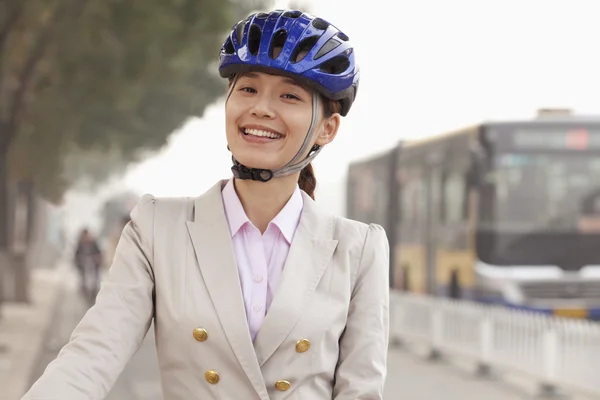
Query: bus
[
  {"x": 500, "y": 212},
  {"x": 369, "y": 194}
]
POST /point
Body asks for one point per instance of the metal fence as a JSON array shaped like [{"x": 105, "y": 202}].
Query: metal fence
[{"x": 557, "y": 352}]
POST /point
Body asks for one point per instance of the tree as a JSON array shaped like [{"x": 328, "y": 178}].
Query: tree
[
  {"x": 92, "y": 77},
  {"x": 110, "y": 75}
]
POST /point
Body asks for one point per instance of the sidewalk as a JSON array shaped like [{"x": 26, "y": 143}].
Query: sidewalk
[{"x": 23, "y": 331}]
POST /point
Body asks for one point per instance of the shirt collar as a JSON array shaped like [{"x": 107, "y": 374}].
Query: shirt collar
[
  {"x": 288, "y": 218},
  {"x": 286, "y": 221}
]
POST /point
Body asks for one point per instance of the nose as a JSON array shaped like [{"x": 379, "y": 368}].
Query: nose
[{"x": 263, "y": 107}]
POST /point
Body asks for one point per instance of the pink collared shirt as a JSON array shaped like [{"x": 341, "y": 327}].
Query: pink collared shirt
[{"x": 260, "y": 258}]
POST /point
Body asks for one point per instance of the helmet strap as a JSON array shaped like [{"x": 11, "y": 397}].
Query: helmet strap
[
  {"x": 295, "y": 163},
  {"x": 242, "y": 172}
]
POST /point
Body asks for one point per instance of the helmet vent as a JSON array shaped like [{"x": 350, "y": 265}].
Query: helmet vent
[
  {"x": 327, "y": 47},
  {"x": 292, "y": 14},
  {"x": 277, "y": 43},
  {"x": 229, "y": 47},
  {"x": 303, "y": 47},
  {"x": 239, "y": 30},
  {"x": 336, "y": 65},
  {"x": 262, "y": 15},
  {"x": 254, "y": 39},
  {"x": 320, "y": 24},
  {"x": 342, "y": 36}
]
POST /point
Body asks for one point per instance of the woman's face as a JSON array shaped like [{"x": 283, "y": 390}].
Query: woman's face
[{"x": 268, "y": 117}]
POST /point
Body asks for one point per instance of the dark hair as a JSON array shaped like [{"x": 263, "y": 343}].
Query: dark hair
[{"x": 307, "y": 180}]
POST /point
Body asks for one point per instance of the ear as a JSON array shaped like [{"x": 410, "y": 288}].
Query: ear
[{"x": 329, "y": 129}]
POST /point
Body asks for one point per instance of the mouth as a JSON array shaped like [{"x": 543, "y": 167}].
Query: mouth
[{"x": 260, "y": 132}]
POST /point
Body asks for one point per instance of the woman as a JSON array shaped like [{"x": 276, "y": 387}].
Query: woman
[{"x": 231, "y": 320}]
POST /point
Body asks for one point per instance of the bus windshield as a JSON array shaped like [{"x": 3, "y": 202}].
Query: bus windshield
[{"x": 529, "y": 192}]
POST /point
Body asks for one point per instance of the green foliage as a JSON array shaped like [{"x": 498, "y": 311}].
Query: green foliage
[{"x": 85, "y": 78}]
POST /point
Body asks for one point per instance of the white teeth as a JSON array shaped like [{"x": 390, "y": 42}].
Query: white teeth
[{"x": 258, "y": 132}]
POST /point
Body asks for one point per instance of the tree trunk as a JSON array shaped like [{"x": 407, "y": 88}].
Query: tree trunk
[
  {"x": 22, "y": 224},
  {"x": 4, "y": 254}
]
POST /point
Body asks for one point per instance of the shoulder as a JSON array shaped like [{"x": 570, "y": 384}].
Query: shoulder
[
  {"x": 366, "y": 244},
  {"x": 358, "y": 238},
  {"x": 162, "y": 208},
  {"x": 156, "y": 220},
  {"x": 358, "y": 233},
  {"x": 174, "y": 210}
]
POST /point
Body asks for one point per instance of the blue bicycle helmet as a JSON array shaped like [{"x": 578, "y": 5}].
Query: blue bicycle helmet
[{"x": 329, "y": 66}]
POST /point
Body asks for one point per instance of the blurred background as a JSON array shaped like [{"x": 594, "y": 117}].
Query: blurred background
[{"x": 474, "y": 140}]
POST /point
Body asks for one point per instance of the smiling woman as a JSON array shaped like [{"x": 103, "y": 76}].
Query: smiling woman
[
  {"x": 274, "y": 112},
  {"x": 296, "y": 99},
  {"x": 252, "y": 283}
]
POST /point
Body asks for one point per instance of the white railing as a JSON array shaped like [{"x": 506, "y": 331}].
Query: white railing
[{"x": 557, "y": 352}]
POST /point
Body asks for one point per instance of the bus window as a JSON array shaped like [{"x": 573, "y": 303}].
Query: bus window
[
  {"x": 454, "y": 197},
  {"x": 413, "y": 199},
  {"x": 540, "y": 191}
]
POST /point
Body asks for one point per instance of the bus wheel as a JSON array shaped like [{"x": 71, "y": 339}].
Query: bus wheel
[{"x": 455, "y": 291}]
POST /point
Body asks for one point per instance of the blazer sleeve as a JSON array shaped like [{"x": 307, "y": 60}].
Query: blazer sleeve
[
  {"x": 362, "y": 366},
  {"x": 113, "y": 329}
]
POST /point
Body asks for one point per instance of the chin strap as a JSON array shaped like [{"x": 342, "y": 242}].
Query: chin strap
[{"x": 241, "y": 171}]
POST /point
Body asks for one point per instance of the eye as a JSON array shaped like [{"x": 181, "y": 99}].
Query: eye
[
  {"x": 247, "y": 89},
  {"x": 291, "y": 96}
]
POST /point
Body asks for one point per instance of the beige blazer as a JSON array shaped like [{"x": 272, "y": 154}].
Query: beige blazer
[{"x": 325, "y": 335}]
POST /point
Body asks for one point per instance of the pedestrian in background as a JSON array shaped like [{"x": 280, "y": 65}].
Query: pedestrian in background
[{"x": 88, "y": 261}]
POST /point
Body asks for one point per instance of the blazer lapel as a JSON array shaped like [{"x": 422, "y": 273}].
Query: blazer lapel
[
  {"x": 215, "y": 254},
  {"x": 310, "y": 253}
]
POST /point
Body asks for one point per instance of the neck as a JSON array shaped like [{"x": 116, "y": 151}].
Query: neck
[{"x": 262, "y": 201}]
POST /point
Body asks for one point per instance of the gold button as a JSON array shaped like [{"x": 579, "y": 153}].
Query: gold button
[
  {"x": 212, "y": 377},
  {"x": 302, "y": 345},
  {"x": 282, "y": 385},
  {"x": 200, "y": 334}
]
